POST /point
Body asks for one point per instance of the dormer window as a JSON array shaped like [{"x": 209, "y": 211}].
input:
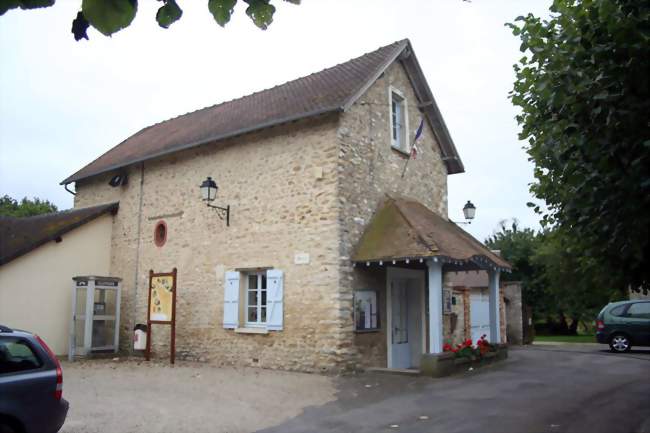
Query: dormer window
[{"x": 398, "y": 121}]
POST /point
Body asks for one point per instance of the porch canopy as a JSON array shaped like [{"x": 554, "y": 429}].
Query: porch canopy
[{"x": 404, "y": 230}]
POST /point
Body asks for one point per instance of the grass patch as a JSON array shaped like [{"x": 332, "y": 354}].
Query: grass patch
[{"x": 567, "y": 338}]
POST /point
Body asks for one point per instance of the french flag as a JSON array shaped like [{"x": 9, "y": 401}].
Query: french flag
[{"x": 418, "y": 133}]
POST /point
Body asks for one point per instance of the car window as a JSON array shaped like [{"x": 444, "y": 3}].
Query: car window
[
  {"x": 639, "y": 310},
  {"x": 16, "y": 355},
  {"x": 618, "y": 311}
]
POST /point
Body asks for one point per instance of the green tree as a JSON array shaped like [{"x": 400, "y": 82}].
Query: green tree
[
  {"x": 110, "y": 16},
  {"x": 518, "y": 246},
  {"x": 563, "y": 287},
  {"x": 583, "y": 88},
  {"x": 573, "y": 291},
  {"x": 26, "y": 207}
]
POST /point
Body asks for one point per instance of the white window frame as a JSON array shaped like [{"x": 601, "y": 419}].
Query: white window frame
[
  {"x": 401, "y": 144},
  {"x": 259, "y": 323}
]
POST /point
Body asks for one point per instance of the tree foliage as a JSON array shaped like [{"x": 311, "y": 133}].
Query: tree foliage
[
  {"x": 26, "y": 207},
  {"x": 518, "y": 246},
  {"x": 583, "y": 90},
  {"x": 110, "y": 16},
  {"x": 562, "y": 289},
  {"x": 572, "y": 287}
]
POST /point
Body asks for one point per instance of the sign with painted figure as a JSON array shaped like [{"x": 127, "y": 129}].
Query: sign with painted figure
[
  {"x": 162, "y": 308},
  {"x": 162, "y": 299}
]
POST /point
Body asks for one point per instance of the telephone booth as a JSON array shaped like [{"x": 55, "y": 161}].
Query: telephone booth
[{"x": 95, "y": 320}]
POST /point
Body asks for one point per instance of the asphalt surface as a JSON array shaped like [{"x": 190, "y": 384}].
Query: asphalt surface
[{"x": 551, "y": 388}]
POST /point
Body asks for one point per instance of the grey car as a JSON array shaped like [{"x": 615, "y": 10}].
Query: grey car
[
  {"x": 31, "y": 385},
  {"x": 624, "y": 324}
]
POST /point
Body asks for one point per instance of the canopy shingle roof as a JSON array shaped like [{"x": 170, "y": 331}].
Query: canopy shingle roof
[
  {"x": 331, "y": 90},
  {"x": 18, "y": 236},
  {"x": 406, "y": 229}
]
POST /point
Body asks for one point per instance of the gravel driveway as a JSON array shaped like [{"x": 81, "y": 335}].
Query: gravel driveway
[
  {"x": 548, "y": 389},
  {"x": 134, "y": 396}
]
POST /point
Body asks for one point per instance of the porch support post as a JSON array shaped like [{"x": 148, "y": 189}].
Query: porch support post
[
  {"x": 435, "y": 305},
  {"x": 495, "y": 296}
]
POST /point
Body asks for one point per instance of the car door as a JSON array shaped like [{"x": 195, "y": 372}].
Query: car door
[
  {"x": 638, "y": 320},
  {"x": 25, "y": 381}
]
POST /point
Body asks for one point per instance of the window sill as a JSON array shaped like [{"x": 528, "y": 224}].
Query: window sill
[
  {"x": 366, "y": 331},
  {"x": 401, "y": 152},
  {"x": 251, "y": 330}
]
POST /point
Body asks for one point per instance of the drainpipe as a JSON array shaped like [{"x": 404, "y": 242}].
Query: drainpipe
[
  {"x": 137, "y": 257},
  {"x": 70, "y": 191}
]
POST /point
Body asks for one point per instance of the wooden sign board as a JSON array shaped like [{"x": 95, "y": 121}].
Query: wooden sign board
[{"x": 162, "y": 307}]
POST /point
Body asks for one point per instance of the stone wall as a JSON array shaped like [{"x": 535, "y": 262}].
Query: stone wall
[
  {"x": 281, "y": 184},
  {"x": 514, "y": 319},
  {"x": 308, "y": 187},
  {"x": 369, "y": 171}
]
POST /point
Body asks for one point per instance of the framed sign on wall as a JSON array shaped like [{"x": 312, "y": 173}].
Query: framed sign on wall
[
  {"x": 366, "y": 317},
  {"x": 162, "y": 307}
]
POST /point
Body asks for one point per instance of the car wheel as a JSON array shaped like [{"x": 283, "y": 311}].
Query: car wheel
[{"x": 620, "y": 343}]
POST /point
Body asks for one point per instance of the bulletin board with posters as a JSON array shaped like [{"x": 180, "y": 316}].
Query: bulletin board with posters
[{"x": 162, "y": 307}]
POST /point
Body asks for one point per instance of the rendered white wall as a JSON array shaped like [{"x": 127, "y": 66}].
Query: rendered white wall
[{"x": 35, "y": 289}]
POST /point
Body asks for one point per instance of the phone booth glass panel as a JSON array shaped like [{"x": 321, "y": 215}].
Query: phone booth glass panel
[{"x": 96, "y": 315}]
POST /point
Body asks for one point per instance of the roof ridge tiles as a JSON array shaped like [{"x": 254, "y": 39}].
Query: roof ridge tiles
[
  {"x": 257, "y": 92},
  {"x": 332, "y": 89}
]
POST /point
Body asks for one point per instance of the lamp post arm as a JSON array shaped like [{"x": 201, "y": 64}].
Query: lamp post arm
[{"x": 222, "y": 212}]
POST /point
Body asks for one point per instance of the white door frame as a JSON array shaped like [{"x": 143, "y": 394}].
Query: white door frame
[{"x": 411, "y": 274}]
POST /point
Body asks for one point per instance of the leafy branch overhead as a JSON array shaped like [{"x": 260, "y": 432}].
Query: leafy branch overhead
[
  {"x": 583, "y": 89},
  {"x": 110, "y": 16}
]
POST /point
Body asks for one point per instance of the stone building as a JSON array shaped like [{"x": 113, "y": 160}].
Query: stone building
[
  {"x": 473, "y": 287},
  {"x": 322, "y": 207}
]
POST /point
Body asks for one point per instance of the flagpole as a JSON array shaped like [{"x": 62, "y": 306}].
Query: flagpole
[
  {"x": 417, "y": 135},
  {"x": 407, "y": 161}
]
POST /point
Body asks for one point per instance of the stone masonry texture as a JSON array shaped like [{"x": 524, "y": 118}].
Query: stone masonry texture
[{"x": 310, "y": 187}]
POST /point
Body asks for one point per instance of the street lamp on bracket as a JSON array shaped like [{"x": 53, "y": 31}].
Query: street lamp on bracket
[
  {"x": 469, "y": 211},
  {"x": 209, "y": 190}
]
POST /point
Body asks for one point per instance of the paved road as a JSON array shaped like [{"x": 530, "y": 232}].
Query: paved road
[{"x": 555, "y": 389}]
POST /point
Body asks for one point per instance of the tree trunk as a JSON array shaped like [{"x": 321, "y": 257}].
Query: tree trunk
[
  {"x": 573, "y": 328},
  {"x": 563, "y": 327}
]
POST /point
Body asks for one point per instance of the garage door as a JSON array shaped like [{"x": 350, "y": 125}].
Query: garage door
[{"x": 480, "y": 314}]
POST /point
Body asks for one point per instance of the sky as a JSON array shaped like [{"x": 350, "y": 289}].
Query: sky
[{"x": 64, "y": 103}]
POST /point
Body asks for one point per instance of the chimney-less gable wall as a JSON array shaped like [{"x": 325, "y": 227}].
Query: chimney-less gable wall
[{"x": 369, "y": 171}]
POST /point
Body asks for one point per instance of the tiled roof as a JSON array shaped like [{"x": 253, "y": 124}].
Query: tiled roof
[
  {"x": 406, "y": 229},
  {"x": 330, "y": 90},
  {"x": 472, "y": 279},
  {"x": 18, "y": 236}
]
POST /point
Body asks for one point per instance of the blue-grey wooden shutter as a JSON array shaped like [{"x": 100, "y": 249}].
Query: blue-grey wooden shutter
[
  {"x": 274, "y": 299},
  {"x": 231, "y": 301}
]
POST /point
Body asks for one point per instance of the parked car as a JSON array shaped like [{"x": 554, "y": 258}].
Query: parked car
[
  {"x": 31, "y": 385},
  {"x": 624, "y": 324}
]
